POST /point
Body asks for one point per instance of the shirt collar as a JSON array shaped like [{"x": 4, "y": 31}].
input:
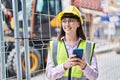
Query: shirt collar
[{"x": 63, "y": 38}]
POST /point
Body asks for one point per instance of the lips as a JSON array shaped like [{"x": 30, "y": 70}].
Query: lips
[{"x": 68, "y": 28}]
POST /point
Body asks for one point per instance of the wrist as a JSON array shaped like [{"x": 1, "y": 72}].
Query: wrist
[
  {"x": 64, "y": 66},
  {"x": 84, "y": 67}
]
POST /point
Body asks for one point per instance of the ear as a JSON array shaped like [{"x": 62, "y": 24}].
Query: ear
[{"x": 78, "y": 24}]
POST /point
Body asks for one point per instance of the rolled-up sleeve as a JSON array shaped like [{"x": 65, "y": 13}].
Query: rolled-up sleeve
[
  {"x": 54, "y": 72},
  {"x": 91, "y": 71}
]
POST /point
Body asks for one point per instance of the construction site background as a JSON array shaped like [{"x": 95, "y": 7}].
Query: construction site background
[{"x": 34, "y": 23}]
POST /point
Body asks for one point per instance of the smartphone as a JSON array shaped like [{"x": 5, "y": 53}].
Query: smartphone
[{"x": 78, "y": 52}]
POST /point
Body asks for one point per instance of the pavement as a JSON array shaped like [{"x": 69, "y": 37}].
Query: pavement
[{"x": 108, "y": 66}]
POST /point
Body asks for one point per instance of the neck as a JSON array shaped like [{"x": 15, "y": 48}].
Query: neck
[{"x": 71, "y": 38}]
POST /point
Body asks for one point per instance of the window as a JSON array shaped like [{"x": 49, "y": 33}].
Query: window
[{"x": 51, "y": 7}]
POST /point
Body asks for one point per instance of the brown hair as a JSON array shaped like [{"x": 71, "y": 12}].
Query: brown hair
[{"x": 79, "y": 31}]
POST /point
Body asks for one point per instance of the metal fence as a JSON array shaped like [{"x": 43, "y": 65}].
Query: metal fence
[{"x": 23, "y": 54}]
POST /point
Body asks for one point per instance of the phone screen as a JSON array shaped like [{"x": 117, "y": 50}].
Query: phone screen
[{"x": 78, "y": 52}]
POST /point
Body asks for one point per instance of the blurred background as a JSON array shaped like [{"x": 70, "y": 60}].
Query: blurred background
[{"x": 27, "y": 26}]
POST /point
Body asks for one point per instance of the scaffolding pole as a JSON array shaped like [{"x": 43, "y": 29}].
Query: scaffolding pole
[
  {"x": 26, "y": 41},
  {"x": 2, "y": 48},
  {"x": 17, "y": 42}
]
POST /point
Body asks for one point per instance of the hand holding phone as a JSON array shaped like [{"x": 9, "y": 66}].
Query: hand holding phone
[{"x": 78, "y": 52}]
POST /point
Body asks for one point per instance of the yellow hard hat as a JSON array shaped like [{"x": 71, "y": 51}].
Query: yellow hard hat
[{"x": 73, "y": 10}]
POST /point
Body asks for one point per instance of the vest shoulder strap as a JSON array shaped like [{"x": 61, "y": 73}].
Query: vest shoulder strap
[
  {"x": 89, "y": 50},
  {"x": 54, "y": 53}
]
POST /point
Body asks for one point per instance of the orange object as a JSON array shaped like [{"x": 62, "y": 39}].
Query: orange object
[
  {"x": 12, "y": 22},
  {"x": 55, "y": 22}
]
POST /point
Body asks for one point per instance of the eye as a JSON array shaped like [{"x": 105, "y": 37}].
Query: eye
[
  {"x": 71, "y": 20},
  {"x": 64, "y": 21}
]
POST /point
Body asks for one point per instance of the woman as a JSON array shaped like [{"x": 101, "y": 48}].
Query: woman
[{"x": 62, "y": 64}]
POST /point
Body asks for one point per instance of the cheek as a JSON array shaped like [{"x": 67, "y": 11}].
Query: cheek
[
  {"x": 63, "y": 25},
  {"x": 78, "y": 24},
  {"x": 75, "y": 26}
]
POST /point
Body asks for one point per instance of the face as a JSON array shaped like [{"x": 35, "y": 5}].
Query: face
[{"x": 70, "y": 25}]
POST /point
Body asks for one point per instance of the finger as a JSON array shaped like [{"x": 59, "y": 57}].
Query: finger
[
  {"x": 83, "y": 57},
  {"x": 70, "y": 64},
  {"x": 74, "y": 60},
  {"x": 73, "y": 64},
  {"x": 78, "y": 59},
  {"x": 72, "y": 56},
  {"x": 71, "y": 60}
]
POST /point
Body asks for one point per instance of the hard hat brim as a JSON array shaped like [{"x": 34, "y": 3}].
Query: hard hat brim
[{"x": 61, "y": 14}]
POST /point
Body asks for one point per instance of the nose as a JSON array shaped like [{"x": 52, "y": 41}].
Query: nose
[{"x": 67, "y": 23}]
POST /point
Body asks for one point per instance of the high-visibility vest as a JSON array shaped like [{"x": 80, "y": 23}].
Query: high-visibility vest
[{"x": 59, "y": 55}]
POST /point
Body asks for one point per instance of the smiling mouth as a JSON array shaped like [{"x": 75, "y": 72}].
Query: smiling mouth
[{"x": 67, "y": 29}]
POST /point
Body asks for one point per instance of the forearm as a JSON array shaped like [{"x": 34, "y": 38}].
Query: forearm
[
  {"x": 90, "y": 73},
  {"x": 55, "y": 72}
]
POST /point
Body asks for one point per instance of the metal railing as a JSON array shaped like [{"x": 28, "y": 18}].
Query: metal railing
[
  {"x": 11, "y": 62},
  {"x": 2, "y": 48}
]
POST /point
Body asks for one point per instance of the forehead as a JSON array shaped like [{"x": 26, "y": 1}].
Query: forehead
[
  {"x": 68, "y": 18},
  {"x": 71, "y": 16}
]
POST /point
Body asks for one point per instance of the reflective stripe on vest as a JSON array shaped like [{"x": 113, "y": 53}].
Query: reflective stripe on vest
[
  {"x": 54, "y": 49},
  {"x": 76, "y": 73}
]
